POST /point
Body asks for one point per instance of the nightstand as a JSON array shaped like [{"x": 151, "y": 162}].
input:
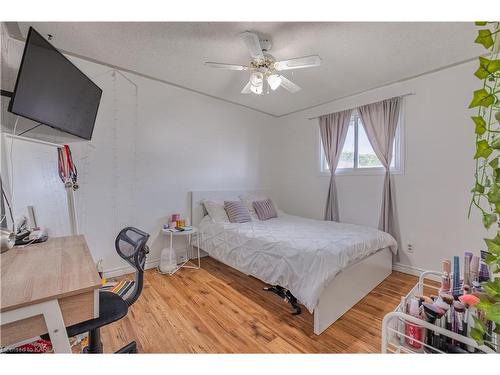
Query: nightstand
[{"x": 188, "y": 234}]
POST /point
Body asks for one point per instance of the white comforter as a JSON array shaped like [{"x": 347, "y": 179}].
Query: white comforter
[{"x": 302, "y": 255}]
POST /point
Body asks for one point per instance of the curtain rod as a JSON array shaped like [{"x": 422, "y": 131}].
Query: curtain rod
[{"x": 397, "y": 96}]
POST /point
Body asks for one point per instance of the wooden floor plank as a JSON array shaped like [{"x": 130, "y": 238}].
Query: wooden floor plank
[{"x": 219, "y": 310}]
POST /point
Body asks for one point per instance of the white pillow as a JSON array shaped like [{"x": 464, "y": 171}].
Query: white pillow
[
  {"x": 216, "y": 211},
  {"x": 248, "y": 200}
]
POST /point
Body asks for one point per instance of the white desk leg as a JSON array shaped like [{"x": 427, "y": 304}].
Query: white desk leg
[
  {"x": 53, "y": 319},
  {"x": 57, "y": 329}
]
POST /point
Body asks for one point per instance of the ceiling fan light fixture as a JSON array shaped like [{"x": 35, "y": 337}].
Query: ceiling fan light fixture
[
  {"x": 256, "y": 79},
  {"x": 264, "y": 68},
  {"x": 257, "y": 83},
  {"x": 256, "y": 89},
  {"x": 274, "y": 81}
]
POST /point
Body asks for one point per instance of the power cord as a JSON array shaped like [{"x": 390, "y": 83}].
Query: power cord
[
  {"x": 26, "y": 245},
  {"x": 11, "y": 180},
  {"x": 4, "y": 196},
  {"x": 30, "y": 129}
]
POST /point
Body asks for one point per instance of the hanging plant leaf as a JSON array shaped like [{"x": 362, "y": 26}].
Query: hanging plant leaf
[
  {"x": 496, "y": 175},
  {"x": 494, "y": 313},
  {"x": 487, "y": 67},
  {"x": 489, "y": 220},
  {"x": 494, "y": 194},
  {"x": 480, "y": 124},
  {"x": 480, "y": 23},
  {"x": 495, "y": 144},
  {"x": 482, "y": 98},
  {"x": 479, "y": 325},
  {"x": 493, "y": 244},
  {"x": 492, "y": 66},
  {"x": 494, "y": 163},
  {"x": 484, "y": 37},
  {"x": 481, "y": 73},
  {"x": 492, "y": 287},
  {"x": 490, "y": 258},
  {"x": 478, "y": 188},
  {"x": 485, "y": 303},
  {"x": 477, "y": 335},
  {"x": 483, "y": 149}
]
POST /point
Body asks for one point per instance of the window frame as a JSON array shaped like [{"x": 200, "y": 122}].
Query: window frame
[{"x": 399, "y": 154}]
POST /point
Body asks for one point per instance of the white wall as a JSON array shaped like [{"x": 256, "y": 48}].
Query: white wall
[
  {"x": 432, "y": 194},
  {"x": 139, "y": 172},
  {"x": 36, "y": 183}
]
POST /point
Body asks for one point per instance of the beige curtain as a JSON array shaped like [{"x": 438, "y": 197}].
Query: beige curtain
[
  {"x": 380, "y": 121},
  {"x": 333, "y": 128}
]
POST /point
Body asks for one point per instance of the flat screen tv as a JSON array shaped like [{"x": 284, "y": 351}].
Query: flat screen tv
[{"x": 52, "y": 91}]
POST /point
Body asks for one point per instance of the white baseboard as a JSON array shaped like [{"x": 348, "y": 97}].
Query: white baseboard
[
  {"x": 119, "y": 271},
  {"x": 411, "y": 270},
  {"x": 405, "y": 268}
]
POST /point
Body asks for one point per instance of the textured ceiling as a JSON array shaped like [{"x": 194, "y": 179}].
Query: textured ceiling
[{"x": 355, "y": 56}]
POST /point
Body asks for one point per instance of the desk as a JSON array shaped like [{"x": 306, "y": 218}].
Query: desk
[{"x": 46, "y": 287}]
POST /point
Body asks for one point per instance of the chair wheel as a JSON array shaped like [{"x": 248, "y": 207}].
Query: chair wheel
[{"x": 130, "y": 348}]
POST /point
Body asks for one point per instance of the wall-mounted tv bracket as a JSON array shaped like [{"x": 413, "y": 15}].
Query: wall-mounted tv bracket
[{"x": 7, "y": 94}]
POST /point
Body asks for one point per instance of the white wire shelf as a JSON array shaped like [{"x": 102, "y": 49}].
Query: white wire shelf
[{"x": 394, "y": 325}]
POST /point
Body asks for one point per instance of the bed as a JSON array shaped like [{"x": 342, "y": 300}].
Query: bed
[{"x": 328, "y": 266}]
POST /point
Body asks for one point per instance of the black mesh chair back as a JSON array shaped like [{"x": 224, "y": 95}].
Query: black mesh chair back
[{"x": 131, "y": 245}]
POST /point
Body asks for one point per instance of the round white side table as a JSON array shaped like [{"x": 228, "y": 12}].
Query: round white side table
[{"x": 189, "y": 235}]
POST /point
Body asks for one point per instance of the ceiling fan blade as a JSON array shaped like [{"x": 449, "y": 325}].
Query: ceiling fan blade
[
  {"x": 298, "y": 63},
  {"x": 289, "y": 85},
  {"x": 246, "y": 89},
  {"x": 251, "y": 40},
  {"x": 225, "y": 66}
]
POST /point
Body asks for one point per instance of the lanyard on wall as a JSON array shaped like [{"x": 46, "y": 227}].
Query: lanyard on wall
[{"x": 66, "y": 168}]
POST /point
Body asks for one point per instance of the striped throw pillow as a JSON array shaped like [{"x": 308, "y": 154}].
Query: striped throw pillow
[
  {"x": 265, "y": 209},
  {"x": 237, "y": 212}
]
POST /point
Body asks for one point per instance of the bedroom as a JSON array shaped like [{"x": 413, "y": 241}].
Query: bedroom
[{"x": 224, "y": 170}]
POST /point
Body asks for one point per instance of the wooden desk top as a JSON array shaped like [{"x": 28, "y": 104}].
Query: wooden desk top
[{"x": 59, "y": 267}]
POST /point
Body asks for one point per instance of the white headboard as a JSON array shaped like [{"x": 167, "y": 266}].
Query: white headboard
[{"x": 197, "y": 197}]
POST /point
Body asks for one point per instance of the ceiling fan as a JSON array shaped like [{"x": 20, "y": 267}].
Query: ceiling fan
[{"x": 264, "y": 67}]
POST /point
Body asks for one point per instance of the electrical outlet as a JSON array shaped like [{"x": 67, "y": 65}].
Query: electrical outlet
[{"x": 409, "y": 248}]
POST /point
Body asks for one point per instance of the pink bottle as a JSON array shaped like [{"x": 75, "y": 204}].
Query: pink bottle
[{"x": 414, "y": 331}]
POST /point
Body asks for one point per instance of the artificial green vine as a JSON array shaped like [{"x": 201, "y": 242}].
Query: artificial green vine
[{"x": 486, "y": 190}]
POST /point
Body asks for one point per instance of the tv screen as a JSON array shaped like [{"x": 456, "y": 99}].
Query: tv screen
[{"x": 51, "y": 90}]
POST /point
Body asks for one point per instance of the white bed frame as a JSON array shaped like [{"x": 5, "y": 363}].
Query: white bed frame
[{"x": 345, "y": 290}]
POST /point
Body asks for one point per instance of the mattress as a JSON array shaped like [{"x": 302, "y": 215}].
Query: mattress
[{"x": 300, "y": 254}]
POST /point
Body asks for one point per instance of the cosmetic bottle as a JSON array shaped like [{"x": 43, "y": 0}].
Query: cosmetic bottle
[{"x": 414, "y": 331}]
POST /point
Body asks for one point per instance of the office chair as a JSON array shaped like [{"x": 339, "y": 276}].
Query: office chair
[{"x": 131, "y": 245}]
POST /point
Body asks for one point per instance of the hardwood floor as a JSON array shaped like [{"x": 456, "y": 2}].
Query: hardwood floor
[{"x": 219, "y": 310}]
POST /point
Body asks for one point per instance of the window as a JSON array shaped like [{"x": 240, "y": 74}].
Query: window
[{"x": 357, "y": 155}]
